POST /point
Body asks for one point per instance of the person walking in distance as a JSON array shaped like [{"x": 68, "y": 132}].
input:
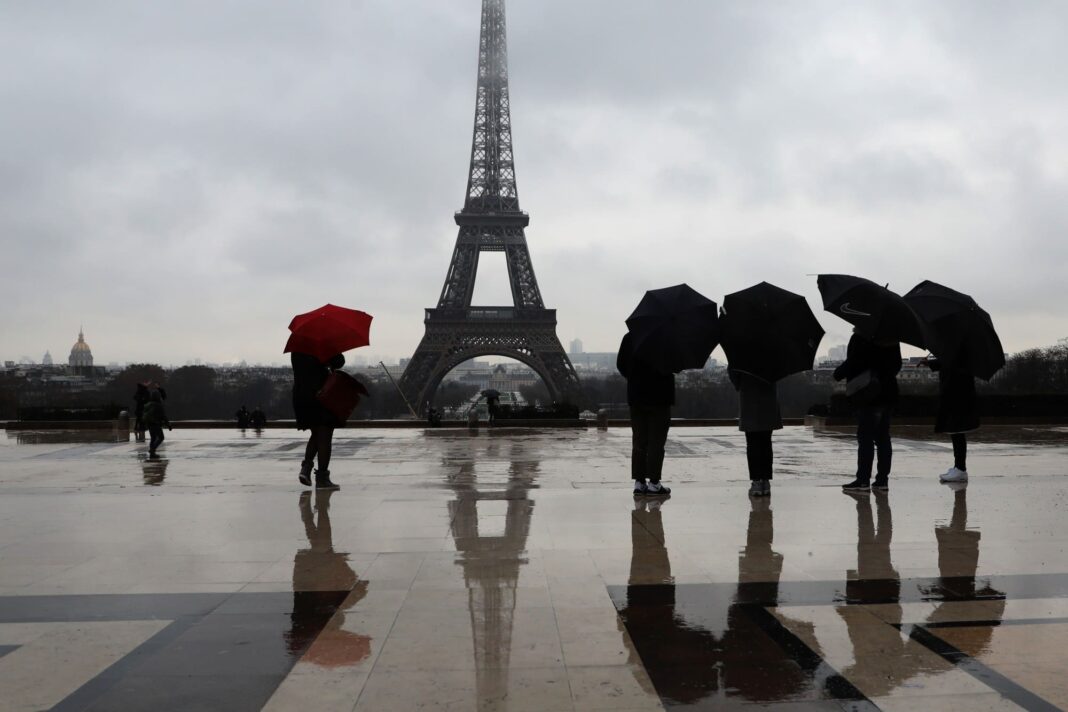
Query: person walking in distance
[
  {"x": 650, "y": 395},
  {"x": 154, "y": 419},
  {"x": 958, "y": 413},
  {"x": 873, "y": 366},
  {"x": 758, "y": 403},
  {"x": 309, "y": 375}
]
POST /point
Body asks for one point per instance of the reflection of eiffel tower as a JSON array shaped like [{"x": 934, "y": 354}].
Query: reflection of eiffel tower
[
  {"x": 491, "y": 562},
  {"x": 490, "y": 221}
]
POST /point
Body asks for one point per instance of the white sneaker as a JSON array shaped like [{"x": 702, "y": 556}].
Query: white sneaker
[{"x": 953, "y": 475}]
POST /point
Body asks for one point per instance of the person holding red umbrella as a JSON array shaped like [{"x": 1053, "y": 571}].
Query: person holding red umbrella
[{"x": 319, "y": 337}]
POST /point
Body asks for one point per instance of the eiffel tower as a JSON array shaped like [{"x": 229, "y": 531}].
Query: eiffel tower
[{"x": 490, "y": 221}]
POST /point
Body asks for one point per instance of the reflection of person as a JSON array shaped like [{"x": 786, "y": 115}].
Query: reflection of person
[
  {"x": 309, "y": 375},
  {"x": 650, "y": 395},
  {"x": 958, "y": 561},
  {"x": 319, "y": 573},
  {"x": 718, "y": 638},
  {"x": 758, "y": 416},
  {"x": 155, "y": 418},
  {"x": 155, "y": 471},
  {"x": 958, "y": 413},
  {"x": 883, "y": 362}
]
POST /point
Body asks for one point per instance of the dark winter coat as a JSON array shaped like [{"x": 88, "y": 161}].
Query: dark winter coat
[
  {"x": 758, "y": 402},
  {"x": 155, "y": 416},
  {"x": 645, "y": 386},
  {"x": 958, "y": 406},
  {"x": 309, "y": 375},
  {"x": 884, "y": 362}
]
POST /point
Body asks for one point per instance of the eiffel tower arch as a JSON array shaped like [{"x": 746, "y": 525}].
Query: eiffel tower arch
[{"x": 490, "y": 221}]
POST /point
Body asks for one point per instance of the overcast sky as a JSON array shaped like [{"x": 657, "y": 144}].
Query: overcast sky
[{"x": 182, "y": 178}]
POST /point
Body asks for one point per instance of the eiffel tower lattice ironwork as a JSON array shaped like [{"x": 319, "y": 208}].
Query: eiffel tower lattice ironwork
[{"x": 490, "y": 221}]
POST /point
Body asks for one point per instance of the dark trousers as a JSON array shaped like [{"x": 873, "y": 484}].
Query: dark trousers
[
  {"x": 649, "y": 428},
  {"x": 960, "y": 451},
  {"x": 758, "y": 454},
  {"x": 156, "y": 438},
  {"x": 873, "y": 435}
]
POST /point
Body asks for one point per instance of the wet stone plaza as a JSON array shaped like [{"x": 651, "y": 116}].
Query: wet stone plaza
[{"x": 513, "y": 570}]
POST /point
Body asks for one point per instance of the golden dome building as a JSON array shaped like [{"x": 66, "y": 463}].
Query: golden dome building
[{"x": 81, "y": 356}]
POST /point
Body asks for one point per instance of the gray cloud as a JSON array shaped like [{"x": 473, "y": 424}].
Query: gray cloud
[{"x": 183, "y": 178}]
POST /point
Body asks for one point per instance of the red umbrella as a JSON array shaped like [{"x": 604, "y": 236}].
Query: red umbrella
[{"x": 329, "y": 330}]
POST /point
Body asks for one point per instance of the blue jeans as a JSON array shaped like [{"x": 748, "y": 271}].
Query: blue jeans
[
  {"x": 873, "y": 434},
  {"x": 156, "y": 438}
]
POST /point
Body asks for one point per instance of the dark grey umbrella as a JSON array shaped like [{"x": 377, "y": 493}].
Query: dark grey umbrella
[
  {"x": 673, "y": 329},
  {"x": 958, "y": 331},
  {"x": 876, "y": 311},
  {"x": 769, "y": 332}
]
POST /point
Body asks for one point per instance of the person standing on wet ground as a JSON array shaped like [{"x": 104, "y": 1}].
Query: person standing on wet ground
[
  {"x": 876, "y": 365},
  {"x": 243, "y": 417},
  {"x": 155, "y": 418},
  {"x": 650, "y": 395},
  {"x": 140, "y": 398},
  {"x": 309, "y": 376},
  {"x": 258, "y": 418},
  {"x": 758, "y": 416},
  {"x": 958, "y": 413},
  {"x": 493, "y": 406}
]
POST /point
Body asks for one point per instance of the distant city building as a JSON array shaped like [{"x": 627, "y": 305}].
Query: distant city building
[
  {"x": 576, "y": 346},
  {"x": 46, "y": 360},
  {"x": 837, "y": 353},
  {"x": 81, "y": 356}
]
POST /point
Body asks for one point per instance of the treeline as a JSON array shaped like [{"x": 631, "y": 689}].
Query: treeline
[{"x": 201, "y": 393}]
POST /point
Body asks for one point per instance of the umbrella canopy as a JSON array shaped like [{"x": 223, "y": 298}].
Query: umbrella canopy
[
  {"x": 769, "y": 332},
  {"x": 329, "y": 330},
  {"x": 876, "y": 311},
  {"x": 958, "y": 331},
  {"x": 491, "y": 393},
  {"x": 674, "y": 329}
]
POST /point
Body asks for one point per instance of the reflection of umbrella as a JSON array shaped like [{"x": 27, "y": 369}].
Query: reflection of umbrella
[
  {"x": 491, "y": 393},
  {"x": 958, "y": 332},
  {"x": 872, "y": 308},
  {"x": 769, "y": 332},
  {"x": 674, "y": 329},
  {"x": 329, "y": 330}
]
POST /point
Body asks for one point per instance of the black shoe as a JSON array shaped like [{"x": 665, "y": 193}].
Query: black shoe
[
  {"x": 655, "y": 489},
  {"x": 305, "y": 473},
  {"x": 322, "y": 481},
  {"x": 882, "y": 484},
  {"x": 857, "y": 486},
  {"x": 756, "y": 488}
]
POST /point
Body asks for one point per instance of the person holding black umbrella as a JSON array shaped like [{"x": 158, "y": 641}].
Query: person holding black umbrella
[
  {"x": 671, "y": 330},
  {"x": 871, "y": 367},
  {"x": 767, "y": 334},
  {"x": 966, "y": 346},
  {"x": 650, "y": 395}
]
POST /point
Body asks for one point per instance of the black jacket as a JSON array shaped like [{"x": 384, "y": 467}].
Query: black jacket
[
  {"x": 309, "y": 375},
  {"x": 645, "y": 386},
  {"x": 862, "y": 355}
]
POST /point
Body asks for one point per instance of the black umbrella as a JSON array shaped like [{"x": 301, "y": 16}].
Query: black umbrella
[
  {"x": 491, "y": 393},
  {"x": 872, "y": 308},
  {"x": 674, "y": 329},
  {"x": 769, "y": 332},
  {"x": 958, "y": 331}
]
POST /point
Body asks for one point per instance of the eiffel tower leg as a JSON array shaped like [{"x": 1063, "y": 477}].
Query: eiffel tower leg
[{"x": 446, "y": 346}]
